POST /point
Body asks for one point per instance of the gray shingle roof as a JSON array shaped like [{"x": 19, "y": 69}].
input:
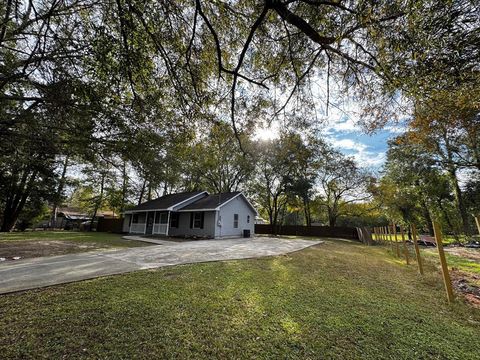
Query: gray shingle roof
[
  {"x": 164, "y": 202},
  {"x": 210, "y": 202}
]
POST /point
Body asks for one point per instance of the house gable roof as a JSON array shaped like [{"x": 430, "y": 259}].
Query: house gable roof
[
  {"x": 215, "y": 201},
  {"x": 166, "y": 202},
  {"x": 211, "y": 202}
]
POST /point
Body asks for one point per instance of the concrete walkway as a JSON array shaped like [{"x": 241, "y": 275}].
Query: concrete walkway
[
  {"x": 46, "y": 271},
  {"x": 150, "y": 240}
]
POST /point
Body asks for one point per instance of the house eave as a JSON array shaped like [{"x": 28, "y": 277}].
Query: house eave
[
  {"x": 198, "y": 210},
  {"x": 171, "y": 208}
]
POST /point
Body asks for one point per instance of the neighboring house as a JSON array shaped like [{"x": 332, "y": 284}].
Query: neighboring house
[
  {"x": 69, "y": 218},
  {"x": 193, "y": 214},
  {"x": 260, "y": 220}
]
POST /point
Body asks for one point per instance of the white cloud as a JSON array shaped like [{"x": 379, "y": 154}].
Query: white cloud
[
  {"x": 368, "y": 159},
  {"x": 361, "y": 152},
  {"x": 349, "y": 144},
  {"x": 395, "y": 129}
]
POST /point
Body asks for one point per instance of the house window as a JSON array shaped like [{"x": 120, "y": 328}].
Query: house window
[
  {"x": 174, "y": 218},
  {"x": 235, "y": 221},
  {"x": 135, "y": 218},
  {"x": 248, "y": 219},
  {"x": 197, "y": 220}
]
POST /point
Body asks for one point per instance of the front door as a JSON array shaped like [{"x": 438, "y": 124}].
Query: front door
[{"x": 150, "y": 218}]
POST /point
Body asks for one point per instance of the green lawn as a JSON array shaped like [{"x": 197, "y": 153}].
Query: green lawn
[
  {"x": 455, "y": 261},
  {"x": 337, "y": 300}
]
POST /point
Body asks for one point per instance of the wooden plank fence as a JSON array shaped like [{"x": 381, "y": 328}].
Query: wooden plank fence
[{"x": 299, "y": 230}]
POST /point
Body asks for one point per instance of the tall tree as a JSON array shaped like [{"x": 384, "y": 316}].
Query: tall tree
[
  {"x": 341, "y": 183},
  {"x": 219, "y": 162}
]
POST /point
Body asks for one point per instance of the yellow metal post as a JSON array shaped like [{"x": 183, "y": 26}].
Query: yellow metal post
[
  {"x": 405, "y": 248},
  {"x": 443, "y": 262},
  {"x": 417, "y": 249}
]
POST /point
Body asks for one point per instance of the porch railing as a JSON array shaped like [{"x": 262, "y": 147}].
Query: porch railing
[
  {"x": 137, "y": 228},
  {"x": 160, "y": 229}
]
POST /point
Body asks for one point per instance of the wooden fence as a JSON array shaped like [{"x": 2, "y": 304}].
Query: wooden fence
[
  {"x": 320, "y": 231},
  {"x": 110, "y": 225}
]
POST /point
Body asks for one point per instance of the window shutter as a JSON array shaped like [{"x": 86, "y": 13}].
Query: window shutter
[
  {"x": 191, "y": 220},
  {"x": 203, "y": 218}
]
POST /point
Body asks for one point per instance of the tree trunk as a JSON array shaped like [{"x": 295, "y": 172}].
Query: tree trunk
[
  {"x": 124, "y": 187},
  {"x": 308, "y": 216},
  {"x": 149, "y": 192},
  {"x": 427, "y": 217},
  {"x": 447, "y": 219},
  {"x": 459, "y": 200},
  {"x": 99, "y": 202},
  {"x": 16, "y": 201},
  {"x": 58, "y": 195},
  {"x": 452, "y": 172},
  {"x": 142, "y": 192},
  {"x": 332, "y": 218}
]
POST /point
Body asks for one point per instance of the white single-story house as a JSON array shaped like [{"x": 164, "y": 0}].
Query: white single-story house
[{"x": 190, "y": 214}]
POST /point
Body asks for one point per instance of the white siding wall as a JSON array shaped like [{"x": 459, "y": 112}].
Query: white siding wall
[
  {"x": 126, "y": 223},
  {"x": 236, "y": 206},
  {"x": 184, "y": 226}
]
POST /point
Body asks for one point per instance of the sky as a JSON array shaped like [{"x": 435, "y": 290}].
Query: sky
[
  {"x": 369, "y": 150},
  {"x": 340, "y": 126},
  {"x": 341, "y": 130}
]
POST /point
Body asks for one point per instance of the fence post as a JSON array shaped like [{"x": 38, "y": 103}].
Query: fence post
[
  {"x": 405, "y": 248},
  {"x": 443, "y": 261},
  {"x": 396, "y": 239},
  {"x": 417, "y": 249},
  {"x": 477, "y": 220},
  {"x": 389, "y": 233}
]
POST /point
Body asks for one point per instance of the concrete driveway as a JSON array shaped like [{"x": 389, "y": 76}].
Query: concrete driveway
[{"x": 46, "y": 271}]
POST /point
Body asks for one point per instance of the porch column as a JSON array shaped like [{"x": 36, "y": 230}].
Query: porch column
[
  {"x": 145, "y": 227},
  {"x": 168, "y": 224},
  {"x": 154, "y": 218}
]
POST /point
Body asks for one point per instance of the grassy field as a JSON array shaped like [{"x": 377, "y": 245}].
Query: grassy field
[
  {"x": 455, "y": 261},
  {"x": 44, "y": 243},
  {"x": 339, "y": 300}
]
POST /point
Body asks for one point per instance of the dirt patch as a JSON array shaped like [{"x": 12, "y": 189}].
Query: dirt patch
[
  {"x": 468, "y": 285},
  {"x": 31, "y": 249},
  {"x": 470, "y": 254}
]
